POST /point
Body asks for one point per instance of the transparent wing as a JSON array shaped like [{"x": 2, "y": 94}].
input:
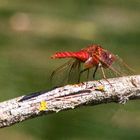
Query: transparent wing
[
  {"x": 67, "y": 73},
  {"x": 122, "y": 67},
  {"x": 74, "y": 71},
  {"x": 118, "y": 68}
]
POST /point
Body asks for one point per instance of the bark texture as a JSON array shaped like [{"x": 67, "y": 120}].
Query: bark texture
[{"x": 68, "y": 97}]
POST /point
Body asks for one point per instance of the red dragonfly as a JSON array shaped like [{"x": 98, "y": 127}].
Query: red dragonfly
[{"x": 93, "y": 56}]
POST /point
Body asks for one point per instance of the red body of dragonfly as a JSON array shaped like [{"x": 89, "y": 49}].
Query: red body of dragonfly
[{"x": 91, "y": 56}]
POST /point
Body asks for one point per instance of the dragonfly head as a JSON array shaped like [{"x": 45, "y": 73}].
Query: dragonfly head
[{"x": 107, "y": 58}]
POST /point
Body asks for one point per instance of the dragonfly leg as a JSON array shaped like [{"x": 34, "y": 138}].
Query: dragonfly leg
[
  {"x": 95, "y": 72},
  {"x": 88, "y": 74},
  {"x": 103, "y": 73},
  {"x": 102, "y": 70},
  {"x": 81, "y": 73}
]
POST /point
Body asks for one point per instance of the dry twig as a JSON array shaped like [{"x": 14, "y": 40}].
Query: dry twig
[{"x": 68, "y": 97}]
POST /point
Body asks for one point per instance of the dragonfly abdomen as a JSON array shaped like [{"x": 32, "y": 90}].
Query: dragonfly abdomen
[{"x": 81, "y": 55}]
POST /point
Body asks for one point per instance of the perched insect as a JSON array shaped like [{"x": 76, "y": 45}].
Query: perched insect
[{"x": 93, "y": 56}]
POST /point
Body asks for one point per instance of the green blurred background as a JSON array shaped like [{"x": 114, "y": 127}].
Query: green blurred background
[{"x": 32, "y": 30}]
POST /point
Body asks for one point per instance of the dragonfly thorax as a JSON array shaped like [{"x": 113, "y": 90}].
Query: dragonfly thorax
[{"x": 91, "y": 62}]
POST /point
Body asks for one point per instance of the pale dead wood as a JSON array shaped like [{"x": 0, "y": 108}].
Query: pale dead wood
[{"x": 68, "y": 97}]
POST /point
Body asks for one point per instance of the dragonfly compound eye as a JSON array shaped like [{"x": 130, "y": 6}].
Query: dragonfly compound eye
[{"x": 107, "y": 59}]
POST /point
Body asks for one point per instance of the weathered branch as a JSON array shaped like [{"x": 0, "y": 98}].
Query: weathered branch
[{"x": 68, "y": 97}]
